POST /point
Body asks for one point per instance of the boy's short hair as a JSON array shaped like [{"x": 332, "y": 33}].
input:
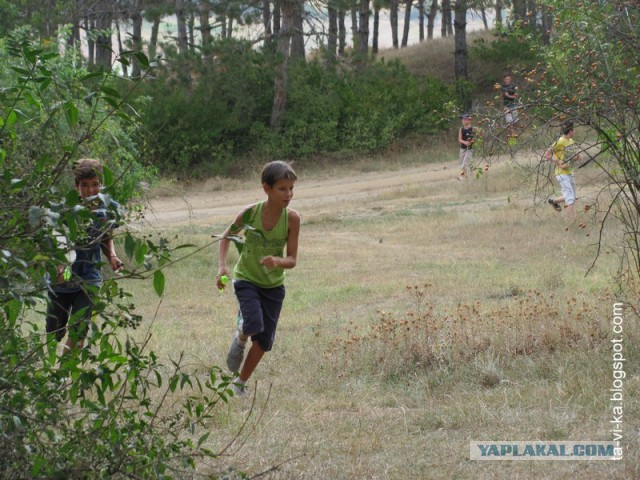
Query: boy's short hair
[
  {"x": 277, "y": 170},
  {"x": 87, "y": 168},
  {"x": 567, "y": 127},
  {"x": 466, "y": 115}
]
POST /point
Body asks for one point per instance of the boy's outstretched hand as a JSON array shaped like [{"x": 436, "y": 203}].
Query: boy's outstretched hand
[{"x": 116, "y": 263}]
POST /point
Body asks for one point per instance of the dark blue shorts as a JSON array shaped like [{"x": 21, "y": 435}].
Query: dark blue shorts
[
  {"x": 64, "y": 306},
  {"x": 259, "y": 311}
]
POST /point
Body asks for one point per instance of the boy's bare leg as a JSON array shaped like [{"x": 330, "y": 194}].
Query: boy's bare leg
[{"x": 251, "y": 362}]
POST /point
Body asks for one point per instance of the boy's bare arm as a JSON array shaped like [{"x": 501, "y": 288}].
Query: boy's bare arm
[
  {"x": 109, "y": 250},
  {"x": 223, "y": 250}
]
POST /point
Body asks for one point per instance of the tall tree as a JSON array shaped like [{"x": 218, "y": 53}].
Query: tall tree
[
  {"x": 297, "y": 34},
  {"x": 363, "y": 31},
  {"x": 421, "y": 20},
  {"x": 498, "y": 10},
  {"x": 461, "y": 53},
  {"x": 181, "y": 19},
  {"x": 393, "y": 20},
  {"x": 446, "y": 27},
  {"x": 377, "y": 5},
  {"x": 283, "y": 51},
  {"x": 332, "y": 39},
  {"x": 431, "y": 18},
  {"x": 407, "y": 22}
]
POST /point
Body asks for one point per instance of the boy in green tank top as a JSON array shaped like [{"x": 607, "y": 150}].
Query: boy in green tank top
[{"x": 269, "y": 228}]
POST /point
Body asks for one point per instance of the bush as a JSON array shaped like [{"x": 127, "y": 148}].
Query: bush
[
  {"x": 197, "y": 128},
  {"x": 99, "y": 413}
]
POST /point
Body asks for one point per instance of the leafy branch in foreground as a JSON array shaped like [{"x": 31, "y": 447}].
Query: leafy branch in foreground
[{"x": 109, "y": 410}]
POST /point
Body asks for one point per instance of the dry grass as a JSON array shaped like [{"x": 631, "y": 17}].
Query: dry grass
[
  {"x": 421, "y": 316},
  {"x": 435, "y": 58}
]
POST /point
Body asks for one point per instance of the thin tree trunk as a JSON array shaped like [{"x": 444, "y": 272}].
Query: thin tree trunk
[
  {"x": 266, "y": 24},
  {"x": 461, "y": 53},
  {"x": 354, "y": 27},
  {"x": 498, "y": 20},
  {"x": 284, "y": 47},
  {"x": 104, "y": 23},
  {"x": 125, "y": 70},
  {"x": 485, "y": 21},
  {"x": 547, "y": 22},
  {"x": 393, "y": 19},
  {"x": 376, "y": 28},
  {"x": 205, "y": 26},
  {"x": 153, "y": 39},
  {"x": 182, "y": 27},
  {"x": 421, "y": 20},
  {"x": 431, "y": 18},
  {"x": 297, "y": 34},
  {"x": 332, "y": 40},
  {"x": 363, "y": 31},
  {"x": 191, "y": 25},
  {"x": 89, "y": 25},
  {"x": 407, "y": 22},
  {"x": 136, "y": 38},
  {"x": 342, "y": 32}
]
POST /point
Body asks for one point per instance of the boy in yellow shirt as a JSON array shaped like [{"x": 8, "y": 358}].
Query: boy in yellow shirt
[{"x": 557, "y": 153}]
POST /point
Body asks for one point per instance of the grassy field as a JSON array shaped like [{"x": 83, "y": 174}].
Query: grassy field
[{"x": 422, "y": 315}]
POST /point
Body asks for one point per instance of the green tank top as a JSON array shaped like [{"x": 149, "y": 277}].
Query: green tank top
[{"x": 258, "y": 244}]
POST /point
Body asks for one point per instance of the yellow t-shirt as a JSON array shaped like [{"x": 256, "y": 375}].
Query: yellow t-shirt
[{"x": 559, "y": 151}]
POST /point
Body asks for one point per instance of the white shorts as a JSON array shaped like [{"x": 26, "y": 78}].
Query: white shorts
[
  {"x": 465, "y": 158},
  {"x": 567, "y": 187},
  {"x": 510, "y": 115}
]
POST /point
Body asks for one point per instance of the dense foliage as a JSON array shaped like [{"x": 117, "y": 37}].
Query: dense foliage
[
  {"x": 101, "y": 412},
  {"x": 216, "y": 109}
]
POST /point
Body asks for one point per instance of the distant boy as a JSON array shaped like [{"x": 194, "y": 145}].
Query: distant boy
[
  {"x": 508, "y": 92},
  {"x": 557, "y": 153},
  {"x": 466, "y": 139},
  {"x": 269, "y": 226},
  {"x": 72, "y": 297}
]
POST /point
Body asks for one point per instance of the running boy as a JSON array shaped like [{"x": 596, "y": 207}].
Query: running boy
[
  {"x": 71, "y": 296},
  {"x": 466, "y": 140},
  {"x": 557, "y": 153},
  {"x": 508, "y": 92},
  {"x": 269, "y": 226}
]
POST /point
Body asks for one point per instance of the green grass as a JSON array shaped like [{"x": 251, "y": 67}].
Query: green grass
[{"x": 418, "y": 319}]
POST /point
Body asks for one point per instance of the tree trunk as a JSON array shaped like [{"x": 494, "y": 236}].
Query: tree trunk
[
  {"x": 191, "y": 30},
  {"x": 498, "y": 14},
  {"x": 342, "y": 32},
  {"x": 485, "y": 21},
  {"x": 332, "y": 39},
  {"x": 407, "y": 22},
  {"x": 431, "y": 18},
  {"x": 283, "y": 50},
  {"x": 393, "y": 19},
  {"x": 125, "y": 70},
  {"x": 266, "y": 24},
  {"x": 461, "y": 53},
  {"x": 136, "y": 38},
  {"x": 547, "y": 23},
  {"x": 104, "y": 23},
  {"x": 363, "y": 32},
  {"x": 297, "y": 34},
  {"x": 182, "y": 27},
  {"x": 89, "y": 25},
  {"x": 519, "y": 10},
  {"x": 205, "y": 26},
  {"x": 421, "y": 20},
  {"x": 354, "y": 27},
  {"x": 153, "y": 39},
  {"x": 443, "y": 18},
  {"x": 376, "y": 28}
]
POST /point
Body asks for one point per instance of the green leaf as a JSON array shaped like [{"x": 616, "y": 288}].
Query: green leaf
[
  {"x": 71, "y": 112},
  {"x": 112, "y": 92},
  {"x": 129, "y": 245},
  {"x": 158, "y": 282}
]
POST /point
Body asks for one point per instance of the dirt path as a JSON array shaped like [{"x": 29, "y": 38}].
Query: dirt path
[{"x": 211, "y": 208}]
